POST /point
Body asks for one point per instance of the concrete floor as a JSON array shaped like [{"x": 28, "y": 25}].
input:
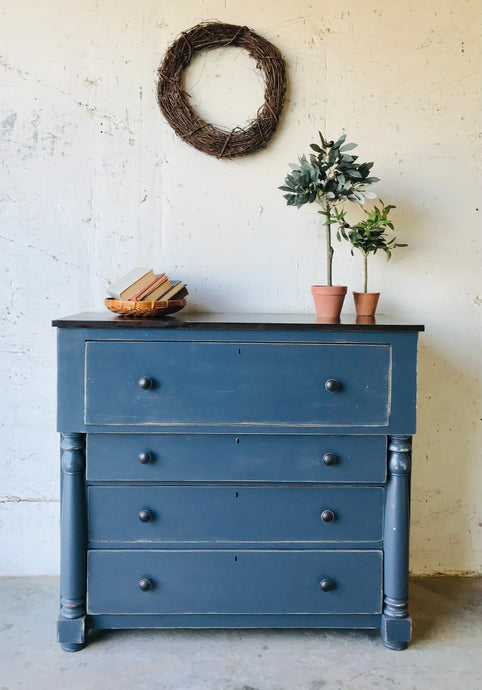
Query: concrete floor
[{"x": 446, "y": 652}]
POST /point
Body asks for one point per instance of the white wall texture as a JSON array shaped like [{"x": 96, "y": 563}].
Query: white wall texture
[{"x": 93, "y": 182}]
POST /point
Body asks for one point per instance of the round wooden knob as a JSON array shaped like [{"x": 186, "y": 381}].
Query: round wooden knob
[
  {"x": 332, "y": 385},
  {"x": 328, "y": 516},
  {"x": 326, "y": 584},
  {"x": 145, "y": 457},
  {"x": 144, "y": 584},
  {"x": 145, "y": 383},
  {"x": 330, "y": 459},
  {"x": 145, "y": 515}
]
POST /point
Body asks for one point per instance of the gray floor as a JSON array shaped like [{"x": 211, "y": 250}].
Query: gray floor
[{"x": 445, "y": 653}]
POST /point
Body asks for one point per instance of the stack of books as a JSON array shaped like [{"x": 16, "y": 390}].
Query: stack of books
[{"x": 143, "y": 285}]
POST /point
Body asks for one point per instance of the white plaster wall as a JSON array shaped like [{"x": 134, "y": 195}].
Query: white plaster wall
[{"x": 93, "y": 182}]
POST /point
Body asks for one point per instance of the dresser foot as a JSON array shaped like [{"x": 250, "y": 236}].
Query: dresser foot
[
  {"x": 395, "y": 646},
  {"x": 71, "y": 633},
  {"x": 396, "y": 633},
  {"x": 71, "y": 646}
]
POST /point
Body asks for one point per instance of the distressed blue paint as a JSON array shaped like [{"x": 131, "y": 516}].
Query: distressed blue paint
[
  {"x": 237, "y": 430},
  {"x": 235, "y": 458},
  {"x": 235, "y": 620},
  {"x": 228, "y": 581},
  {"x": 233, "y": 514},
  {"x": 71, "y": 348},
  {"x": 236, "y": 383}
]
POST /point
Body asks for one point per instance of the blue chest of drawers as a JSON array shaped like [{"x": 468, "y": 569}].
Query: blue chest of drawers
[{"x": 234, "y": 471}]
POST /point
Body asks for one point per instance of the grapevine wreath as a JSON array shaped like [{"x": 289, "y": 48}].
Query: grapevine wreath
[{"x": 188, "y": 125}]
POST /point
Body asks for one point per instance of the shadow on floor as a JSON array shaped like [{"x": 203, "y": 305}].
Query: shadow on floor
[{"x": 437, "y": 602}]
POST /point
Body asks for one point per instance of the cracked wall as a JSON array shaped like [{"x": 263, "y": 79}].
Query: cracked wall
[{"x": 94, "y": 182}]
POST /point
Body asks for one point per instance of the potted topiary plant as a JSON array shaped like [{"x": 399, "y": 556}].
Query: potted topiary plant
[
  {"x": 368, "y": 236},
  {"x": 329, "y": 178}
]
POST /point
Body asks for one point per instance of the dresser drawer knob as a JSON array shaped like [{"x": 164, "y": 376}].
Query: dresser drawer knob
[
  {"x": 330, "y": 459},
  {"x": 332, "y": 385},
  {"x": 145, "y": 383},
  {"x": 145, "y": 457},
  {"x": 326, "y": 584},
  {"x": 328, "y": 516},
  {"x": 145, "y": 585},
  {"x": 145, "y": 515}
]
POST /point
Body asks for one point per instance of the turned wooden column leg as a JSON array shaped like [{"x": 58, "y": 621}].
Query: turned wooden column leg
[
  {"x": 73, "y": 543},
  {"x": 396, "y": 625}
]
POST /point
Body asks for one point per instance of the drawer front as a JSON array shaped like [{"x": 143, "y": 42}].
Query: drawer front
[
  {"x": 234, "y": 582},
  {"x": 244, "y": 457},
  {"x": 196, "y": 383},
  {"x": 142, "y": 516}
]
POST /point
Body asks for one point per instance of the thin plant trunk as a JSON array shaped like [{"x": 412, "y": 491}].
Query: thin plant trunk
[
  {"x": 329, "y": 248},
  {"x": 365, "y": 272}
]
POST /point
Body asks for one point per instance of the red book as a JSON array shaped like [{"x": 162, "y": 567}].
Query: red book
[
  {"x": 158, "y": 280},
  {"x": 157, "y": 291}
]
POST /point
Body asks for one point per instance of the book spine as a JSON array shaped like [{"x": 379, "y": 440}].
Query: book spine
[{"x": 148, "y": 288}]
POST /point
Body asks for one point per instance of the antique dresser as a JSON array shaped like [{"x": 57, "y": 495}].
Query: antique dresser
[{"x": 235, "y": 471}]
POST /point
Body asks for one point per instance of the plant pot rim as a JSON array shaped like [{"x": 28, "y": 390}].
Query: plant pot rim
[
  {"x": 355, "y": 292},
  {"x": 329, "y": 289}
]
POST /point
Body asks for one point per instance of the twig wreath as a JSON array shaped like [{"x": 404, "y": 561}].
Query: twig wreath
[{"x": 188, "y": 125}]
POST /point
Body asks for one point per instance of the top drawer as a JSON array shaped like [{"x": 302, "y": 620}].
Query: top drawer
[{"x": 205, "y": 383}]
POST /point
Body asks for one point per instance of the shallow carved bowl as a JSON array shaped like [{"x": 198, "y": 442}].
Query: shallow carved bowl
[{"x": 144, "y": 309}]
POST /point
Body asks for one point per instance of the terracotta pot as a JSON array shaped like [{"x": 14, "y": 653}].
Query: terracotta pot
[
  {"x": 366, "y": 303},
  {"x": 328, "y": 300}
]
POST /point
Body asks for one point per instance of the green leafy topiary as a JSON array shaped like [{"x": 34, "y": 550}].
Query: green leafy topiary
[
  {"x": 330, "y": 177},
  {"x": 368, "y": 236}
]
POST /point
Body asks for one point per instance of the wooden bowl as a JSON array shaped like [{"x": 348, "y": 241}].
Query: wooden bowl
[{"x": 144, "y": 309}]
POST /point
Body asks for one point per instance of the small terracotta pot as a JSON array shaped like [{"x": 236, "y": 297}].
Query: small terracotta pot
[
  {"x": 328, "y": 300},
  {"x": 366, "y": 303}
]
